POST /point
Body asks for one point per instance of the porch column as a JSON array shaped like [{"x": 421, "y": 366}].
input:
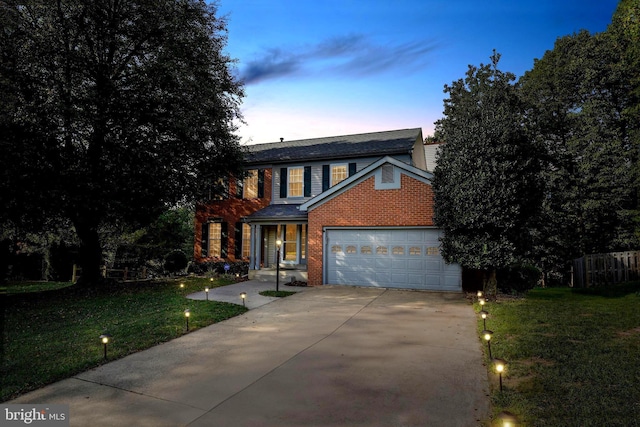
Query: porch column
[{"x": 258, "y": 249}]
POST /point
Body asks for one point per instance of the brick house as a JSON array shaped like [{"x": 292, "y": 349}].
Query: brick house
[{"x": 347, "y": 210}]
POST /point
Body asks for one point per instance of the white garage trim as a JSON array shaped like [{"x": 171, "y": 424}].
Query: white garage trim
[{"x": 388, "y": 257}]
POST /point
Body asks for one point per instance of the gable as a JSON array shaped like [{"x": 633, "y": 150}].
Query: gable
[{"x": 386, "y": 174}]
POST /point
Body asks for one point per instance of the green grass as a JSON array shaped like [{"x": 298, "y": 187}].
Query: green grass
[
  {"x": 278, "y": 294},
  {"x": 38, "y": 286},
  {"x": 48, "y": 336},
  {"x": 573, "y": 357}
]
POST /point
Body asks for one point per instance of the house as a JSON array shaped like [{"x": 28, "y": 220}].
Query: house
[{"x": 346, "y": 210}]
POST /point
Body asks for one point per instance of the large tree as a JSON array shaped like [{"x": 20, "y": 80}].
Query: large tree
[
  {"x": 112, "y": 111},
  {"x": 486, "y": 182},
  {"x": 582, "y": 99}
]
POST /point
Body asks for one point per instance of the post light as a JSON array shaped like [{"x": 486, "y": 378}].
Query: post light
[
  {"x": 187, "y": 314},
  {"x": 507, "y": 419},
  {"x": 479, "y": 294},
  {"x": 500, "y": 364},
  {"x": 105, "y": 338},
  {"x": 484, "y": 314},
  {"x": 482, "y": 302},
  {"x": 278, "y": 244},
  {"x": 206, "y": 292},
  {"x": 243, "y": 295},
  {"x": 487, "y": 334}
]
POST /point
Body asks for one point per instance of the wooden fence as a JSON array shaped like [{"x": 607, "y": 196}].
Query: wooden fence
[
  {"x": 605, "y": 269},
  {"x": 123, "y": 274}
]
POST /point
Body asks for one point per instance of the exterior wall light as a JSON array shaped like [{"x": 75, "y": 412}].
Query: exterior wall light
[
  {"x": 104, "y": 339},
  {"x": 243, "y": 295},
  {"x": 187, "y": 314}
]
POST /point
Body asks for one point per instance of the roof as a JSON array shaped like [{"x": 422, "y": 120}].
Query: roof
[
  {"x": 363, "y": 174},
  {"x": 277, "y": 212},
  {"x": 386, "y": 143}
]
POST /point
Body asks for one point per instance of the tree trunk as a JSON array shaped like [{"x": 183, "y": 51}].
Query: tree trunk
[
  {"x": 490, "y": 284},
  {"x": 90, "y": 256}
]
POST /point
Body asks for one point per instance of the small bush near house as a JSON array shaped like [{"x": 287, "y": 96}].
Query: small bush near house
[{"x": 217, "y": 268}]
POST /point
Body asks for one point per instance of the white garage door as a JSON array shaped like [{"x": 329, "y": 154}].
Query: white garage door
[{"x": 389, "y": 258}]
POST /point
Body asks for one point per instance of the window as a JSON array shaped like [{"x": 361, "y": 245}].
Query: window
[
  {"x": 246, "y": 240},
  {"x": 338, "y": 174},
  {"x": 398, "y": 250},
  {"x": 219, "y": 189},
  {"x": 336, "y": 249},
  {"x": 250, "y": 187},
  {"x": 366, "y": 250},
  {"x": 381, "y": 250},
  {"x": 296, "y": 182},
  {"x": 414, "y": 250},
  {"x": 290, "y": 244},
  {"x": 351, "y": 249},
  {"x": 215, "y": 239},
  {"x": 433, "y": 250}
]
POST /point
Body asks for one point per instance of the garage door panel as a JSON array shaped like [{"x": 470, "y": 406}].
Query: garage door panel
[{"x": 402, "y": 258}]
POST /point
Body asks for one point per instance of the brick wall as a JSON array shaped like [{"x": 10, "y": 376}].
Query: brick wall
[
  {"x": 363, "y": 205},
  {"x": 230, "y": 210}
]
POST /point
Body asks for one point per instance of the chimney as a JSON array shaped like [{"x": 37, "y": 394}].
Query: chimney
[{"x": 281, "y": 139}]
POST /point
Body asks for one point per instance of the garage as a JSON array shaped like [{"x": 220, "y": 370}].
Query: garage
[{"x": 406, "y": 258}]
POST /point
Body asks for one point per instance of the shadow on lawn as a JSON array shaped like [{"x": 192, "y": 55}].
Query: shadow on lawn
[{"x": 611, "y": 291}]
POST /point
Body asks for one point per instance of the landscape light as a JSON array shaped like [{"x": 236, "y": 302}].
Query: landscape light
[
  {"x": 487, "y": 334},
  {"x": 206, "y": 292},
  {"x": 507, "y": 419},
  {"x": 181, "y": 285},
  {"x": 243, "y": 295},
  {"x": 484, "y": 314},
  {"x": 187, "y": 314},
  {"x": 105, "y": 338},
  {"x": 500, "y": 364},
  {"x": 278, "y": 244},
  {"x": 482, "y": 302},
  {"x": 479, "y": 294}
]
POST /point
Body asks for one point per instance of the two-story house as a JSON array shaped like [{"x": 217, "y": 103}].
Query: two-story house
[{"x": 345, "y": 210}]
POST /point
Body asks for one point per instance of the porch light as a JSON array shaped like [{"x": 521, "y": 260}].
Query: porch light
[
  {"x": 243, "y": 296},
  {"x": 206, "y": 292},
  {"x": 487, "y": 334},
  {"x": 105, "y": 338},
  {"x": 278, "y": 244},
  {"x": 187, "y": 314},
  {"x": 500, "y": 364}
]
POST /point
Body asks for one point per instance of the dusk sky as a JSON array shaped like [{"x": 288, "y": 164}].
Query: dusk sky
[{"x": 338, "y": 67}]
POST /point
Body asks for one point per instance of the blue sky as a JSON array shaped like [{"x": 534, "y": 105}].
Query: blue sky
[{"x": 336, "y": 67}]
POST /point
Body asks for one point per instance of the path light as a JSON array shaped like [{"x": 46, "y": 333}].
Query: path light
[
  {"x": 500, "y": 364},
  {"x": 487, "y": 334},
  {"x": 507, "y": 419},
  {"x": 206, "y": 292},
  {"x": 187, "y": 314},
  {"x": 278, "y": 244},
  {"x": 181, "y": 286},
  {"x": 484, "y": 314},
  {"x": 479, "y": 294},
  {"x": 243, "y": 295},
  {"x": 105, "y": 338},
  {"x": 482, "y": 302}
]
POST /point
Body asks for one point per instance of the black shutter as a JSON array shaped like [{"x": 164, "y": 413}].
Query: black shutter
[
  {"x": 307, "y": 181},
  {"x": 239, "y": 187},
  {"x": 326, "y": 175},
  {"x": 352, "y": 169},
  {"x": 238, "y": 238},
  {"x": 204, "y": 241},
  {"x": 283, "y": 183},
  {"x": 260, "y": 183},
  {"x": 224, "y": 239}
]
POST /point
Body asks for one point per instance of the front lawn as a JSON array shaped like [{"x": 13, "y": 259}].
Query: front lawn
[
  {"x": 573, "y": 356},
  {"x": 48, "y": 336}
]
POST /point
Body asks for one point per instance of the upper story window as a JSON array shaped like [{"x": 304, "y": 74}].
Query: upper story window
[
  {"x": 338, "y": 174},
  {"x": 250, "y": 187},
  {"x": 296, "y": 182}
]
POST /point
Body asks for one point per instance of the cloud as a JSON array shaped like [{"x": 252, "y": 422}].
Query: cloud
[{"x": 352, "y": 55}]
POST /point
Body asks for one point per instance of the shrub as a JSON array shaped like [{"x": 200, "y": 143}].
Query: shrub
[
  {"x": 175, "y": 261},
  {"x": 518, "y": 278}
]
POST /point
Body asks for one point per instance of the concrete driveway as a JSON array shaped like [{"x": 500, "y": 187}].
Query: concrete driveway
[{"x": 328, "y": 356}]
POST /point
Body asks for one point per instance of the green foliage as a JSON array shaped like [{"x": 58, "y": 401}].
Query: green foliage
[
  {"x": 54, "y": 335},
  {"x": 572, "y": 357},
  {"x": 125, "y": 108},
  {"x": 486, "y": 183},
  {"x": 175, "y": 261}
]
